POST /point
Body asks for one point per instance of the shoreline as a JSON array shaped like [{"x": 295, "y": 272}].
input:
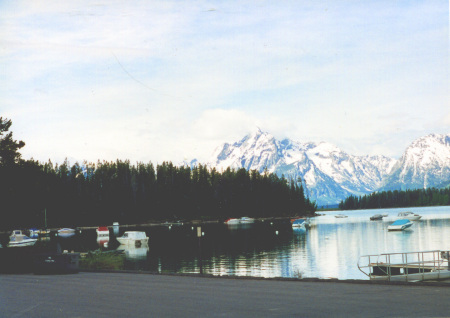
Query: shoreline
[{"x": 440, "y": 283}]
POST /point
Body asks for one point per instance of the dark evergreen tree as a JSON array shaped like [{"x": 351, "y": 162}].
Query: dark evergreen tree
[{"x": 9, "y": 148}]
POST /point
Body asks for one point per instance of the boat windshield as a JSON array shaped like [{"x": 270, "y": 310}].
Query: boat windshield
[{"x": 401, "y": 222}]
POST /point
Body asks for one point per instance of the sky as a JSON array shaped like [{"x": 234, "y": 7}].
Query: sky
[{"x": 172, "y": 80}]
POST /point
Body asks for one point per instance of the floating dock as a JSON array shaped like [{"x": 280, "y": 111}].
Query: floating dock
[{"x": 408, "y": 267}]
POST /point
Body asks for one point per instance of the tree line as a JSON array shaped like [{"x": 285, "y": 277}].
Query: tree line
[
  {"x": 396, "y": 199},
  {"x": 104, "y": 192}
]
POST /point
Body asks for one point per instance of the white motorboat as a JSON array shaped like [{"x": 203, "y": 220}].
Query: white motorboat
[
  {"x": 135, "y": 238},
  {"x": 300, "y": 223},
  {"x": 246, "y": 220},
  {"x": 17, "y": 238},
  {"x": 409, "y": 215},
  {"x": 66, "y": 232},
  {"x": 400, "y": 225},
  {"x": 232, "y": 221}
]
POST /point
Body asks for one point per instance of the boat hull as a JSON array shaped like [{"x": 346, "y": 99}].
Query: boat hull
[
  {"x": 398, "y": 227},
  {"x": 66, "y": 232},
  {"x": 132, "y": 242},
  {"x": 25, "y": 242}
]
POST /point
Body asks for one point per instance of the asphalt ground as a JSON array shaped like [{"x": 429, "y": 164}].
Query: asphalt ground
[{"x": 91, "y": 294}]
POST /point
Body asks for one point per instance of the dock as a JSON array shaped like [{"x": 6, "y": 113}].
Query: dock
[{"x": 408, "y": 266}]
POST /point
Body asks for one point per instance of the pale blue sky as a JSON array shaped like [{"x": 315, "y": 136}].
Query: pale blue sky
[{"x": 172, "y": 80}]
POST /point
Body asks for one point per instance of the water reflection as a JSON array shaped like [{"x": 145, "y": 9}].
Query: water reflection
[
  {"x": 331, "y": 247},
  {"x": 133, "y": 252},
  {"x": 103, "y": 242}
]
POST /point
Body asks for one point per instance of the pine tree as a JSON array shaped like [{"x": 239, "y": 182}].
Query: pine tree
[{"x": 9, "y": 148}]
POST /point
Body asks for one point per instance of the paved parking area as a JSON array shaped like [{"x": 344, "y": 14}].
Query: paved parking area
[{"x": 89, "y": 294}]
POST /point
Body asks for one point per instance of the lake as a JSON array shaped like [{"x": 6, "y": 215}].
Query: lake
[{"x": 329, "y": 249}]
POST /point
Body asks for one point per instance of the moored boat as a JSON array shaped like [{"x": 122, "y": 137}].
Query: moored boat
[
  {"x": 400, "y": 225},
  {"x": 34, "y": 233},
  {"x": 136, "y": 238},
  {"x": 116, "y": 228},
  {"x": 232, "y": 221},
  {"x": 43, "y": 232},
  {"x": 66, "y": 232},
  {"x": 17, "y": 239},
  {"x": 300, "y": 223},
  {"x": 246, "y": 220},
  {"x": 409, "y": 215},
  {"x": 102, "y": 231},
  {"x": 376, "y": 217},
  {"x": 341, "y": 216}
]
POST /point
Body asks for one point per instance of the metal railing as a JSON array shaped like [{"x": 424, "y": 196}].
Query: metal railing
[{"x": 407, "y": 266}]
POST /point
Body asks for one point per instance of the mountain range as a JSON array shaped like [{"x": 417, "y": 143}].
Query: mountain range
[{"x": 329, "y": 174}]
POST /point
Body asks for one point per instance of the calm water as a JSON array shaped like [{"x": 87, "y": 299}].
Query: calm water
[{"x": 330, "y": 248}]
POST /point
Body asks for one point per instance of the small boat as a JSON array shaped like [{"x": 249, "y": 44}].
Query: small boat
[
  {"x": 409, "y": 215},
  {"x": 34, "y": 233},
  {"x": 246, "y": 220},
  {"x": 341, "y": 216},
  {"x": 43, "y": 232},
  {"x": 116, "y": 228},
  {"x": 102, "y": 231},
  {"x": 17, "y": 238},
  {"x": 376, "y": 217},
  {"x": 400, "y": 225},
  {"x": 66, "y": 232},
  {"x": 135, "y": 238},
  {"x": 232, "y": 221},
  {"x": 300, "y": 223}
]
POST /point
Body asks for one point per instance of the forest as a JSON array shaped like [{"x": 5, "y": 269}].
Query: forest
[
  {"x": 396, "y": 199},
  {"x": 105, "y": 192}
]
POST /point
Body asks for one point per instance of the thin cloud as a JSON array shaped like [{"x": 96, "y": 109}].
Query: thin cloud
[{"x": 177, "y": 77}]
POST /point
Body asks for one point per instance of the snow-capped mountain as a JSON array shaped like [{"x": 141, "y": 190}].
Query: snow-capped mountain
[
  {"x": 424, "y": 164},
  {"x": 329, "y": 173}
]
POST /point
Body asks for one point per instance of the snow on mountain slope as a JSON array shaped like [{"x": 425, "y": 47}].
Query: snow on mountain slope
[
  {"x": 329, "y": 174},
  {"x": 424, "y": 164}
]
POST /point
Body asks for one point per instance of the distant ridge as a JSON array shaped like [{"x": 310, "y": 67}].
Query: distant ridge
[
  {"x": 424, "y": 164},
  {"x": 329, "y": 174}
]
